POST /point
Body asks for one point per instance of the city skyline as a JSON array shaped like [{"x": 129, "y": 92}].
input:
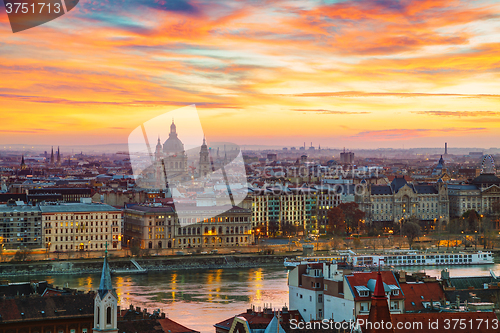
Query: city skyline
[{"x": 360, "y": 74}]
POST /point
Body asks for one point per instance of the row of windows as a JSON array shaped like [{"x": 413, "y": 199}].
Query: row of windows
[
  {"x": 196, "y": 231},
  {"x": 80, "y": 238},
  {"x": 76, "y": 224},
  {"x": 81, "y": 217},
  {"x": 82, "y": 231}
]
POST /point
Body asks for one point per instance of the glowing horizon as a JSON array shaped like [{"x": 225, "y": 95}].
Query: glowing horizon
[{"x": 359, "y": 74}]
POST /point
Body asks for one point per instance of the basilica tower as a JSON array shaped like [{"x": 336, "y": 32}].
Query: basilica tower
[{"x": 204, "y": 160}]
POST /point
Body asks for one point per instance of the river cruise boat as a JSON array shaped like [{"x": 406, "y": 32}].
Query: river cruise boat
[
  {"x": 401, "y": 258},
  {"x": 424, "y": 259},
  {"x": 340, "y": 257}
]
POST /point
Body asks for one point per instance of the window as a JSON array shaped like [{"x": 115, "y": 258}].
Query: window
[
  {"x": 363, "y": 306},
  {"x": 320, "y": 298},
  {"x": 108, "y": 315}
]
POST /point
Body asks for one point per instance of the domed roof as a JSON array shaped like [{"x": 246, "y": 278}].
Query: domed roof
[{"x": 173, "y": 145}]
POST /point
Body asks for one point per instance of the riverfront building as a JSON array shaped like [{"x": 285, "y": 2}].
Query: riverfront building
[
  {"x": 80, "y": 227},
  {"x": 153, "y": 226},
  {"x": 386, "y": 205},
  {"x": 20, "y": 226}
]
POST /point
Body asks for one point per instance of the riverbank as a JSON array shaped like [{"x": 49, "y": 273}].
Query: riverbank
[{"x": 125, "y": 266}]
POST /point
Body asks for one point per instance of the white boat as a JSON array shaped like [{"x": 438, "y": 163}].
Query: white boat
[
  {"x": 399, "y": 258},
  {"x": 424, "y": 259},
  {"x": 292, "y": 263}
]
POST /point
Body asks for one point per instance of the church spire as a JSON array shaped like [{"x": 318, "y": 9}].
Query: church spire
[
  {"x": 379, "y": 310},
  {"x": 52, "y": 156},
  {"x": 106, "y": 302},
  {"x": 105, "y": 286}
]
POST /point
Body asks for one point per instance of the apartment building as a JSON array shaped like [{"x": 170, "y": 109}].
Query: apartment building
[
  {"x": 154, "y": 226},
  {"x": 80, "y": 227},
  {"x": 284, "y": 206},
  {"x": 20, "y": 226},
  {"x": 321, "y": 291}
]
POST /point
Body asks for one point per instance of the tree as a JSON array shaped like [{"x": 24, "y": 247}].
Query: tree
[
  {"x": 288, "y": 228},
  {"x": 352, "y": 219},
  {"x": 472, "y": 218},
  {"x": 356, "y": 242},
  {"x": 135, "y": 250},
  {"x": 353, "y": 216},
  {"x": 411, "y": 230},
  {"x": 336, "y": 221},
  {"x": 336, "y": 243},
  {"x": 21, "y": 254}
]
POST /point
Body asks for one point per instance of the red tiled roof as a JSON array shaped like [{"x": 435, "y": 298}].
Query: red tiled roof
[
  {"x": 251, "y": 318},
  {"x": 171, "y": 326},
  {"x": 416, "y": 293},
  {"x": 362, "y": 278}
]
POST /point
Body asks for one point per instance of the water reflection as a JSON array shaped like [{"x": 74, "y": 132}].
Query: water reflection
[{"x": 199, "y": 299}]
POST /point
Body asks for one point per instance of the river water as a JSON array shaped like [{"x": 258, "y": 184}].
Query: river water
[{"x": 200, "y": 298}]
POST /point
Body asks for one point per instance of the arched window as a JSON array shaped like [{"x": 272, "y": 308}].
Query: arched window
[
  {"x": 220, "y": 230},
  {"x": 237, "y": 230},
  {"x": 98, "y": 315},
  {"x": 150, "y": 245},
  {"x": 108, "y": 315},
  {"x": 206, "y": 230},
  {"x": 213, "y": 230},
  {"x": 198, "y": 231}
]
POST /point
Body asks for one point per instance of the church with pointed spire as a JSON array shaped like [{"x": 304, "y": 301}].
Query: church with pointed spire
[{"x": 106, "y": 302}]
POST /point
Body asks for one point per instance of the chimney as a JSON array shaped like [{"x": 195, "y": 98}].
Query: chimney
[{"x": 163, "y": 315}]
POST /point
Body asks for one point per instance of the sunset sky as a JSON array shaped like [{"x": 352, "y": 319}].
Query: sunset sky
[{"x": 359, "y": 74}]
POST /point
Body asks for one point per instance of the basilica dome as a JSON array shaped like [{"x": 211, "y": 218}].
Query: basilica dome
[{"x": 173, "y": 145}]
